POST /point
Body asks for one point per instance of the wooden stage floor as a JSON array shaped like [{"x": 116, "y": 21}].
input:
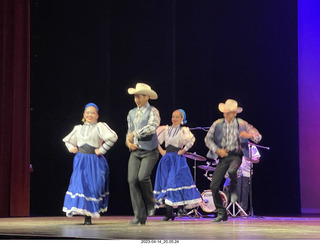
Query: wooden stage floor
[{"x": 186, "y": 228}]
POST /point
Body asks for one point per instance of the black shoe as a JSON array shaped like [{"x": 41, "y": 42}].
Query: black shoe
[
  {"x": 166, "y": 218},
  {"x": 87, "y": 220},
  {"x": 169, "y": 213},
  {"x": 222, "y": 216},
  {"x": 180, "y": 212},
  {"x": 136, "y": 221},
  {"x": 215, "y": 213},
  {"x": 151, "y": 212}
]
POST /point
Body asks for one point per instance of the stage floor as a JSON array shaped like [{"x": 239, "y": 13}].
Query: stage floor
[{"x": 186, "y": 228}]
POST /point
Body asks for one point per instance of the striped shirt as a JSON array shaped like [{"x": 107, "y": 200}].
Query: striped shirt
[
  {"x": 249, "y": 128},
  {"x": 230, "y": 135},
  {"x": 150, "y": 128}
]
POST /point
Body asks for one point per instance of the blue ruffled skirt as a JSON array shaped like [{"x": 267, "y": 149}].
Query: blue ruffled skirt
[
  {"x": 88, "y": 191},
  {"x": 174, "y": 184}
]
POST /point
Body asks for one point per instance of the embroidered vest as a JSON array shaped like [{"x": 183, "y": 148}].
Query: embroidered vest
[
  {"x": 148, "y": 142},
  {"x": 218, "y": 134}
]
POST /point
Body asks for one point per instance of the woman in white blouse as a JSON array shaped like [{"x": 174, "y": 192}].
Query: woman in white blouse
[
  {"x": 174, "y": 186},
  {"x": 88, "y": 191}
]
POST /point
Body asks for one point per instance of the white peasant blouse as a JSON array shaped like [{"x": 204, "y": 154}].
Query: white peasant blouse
[
  {"x": 177, "y": 136},
  {"x": 98, "y": 135}
]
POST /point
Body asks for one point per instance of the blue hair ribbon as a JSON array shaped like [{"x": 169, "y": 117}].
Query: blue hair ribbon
[
  {"x": 184, "y": 116},
  {"x": 91, "y": 104}
]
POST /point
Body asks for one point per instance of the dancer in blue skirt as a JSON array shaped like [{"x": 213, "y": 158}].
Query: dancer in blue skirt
[
  {"x": 88, "y": 191},
  {"x": 174, "y": 186}
]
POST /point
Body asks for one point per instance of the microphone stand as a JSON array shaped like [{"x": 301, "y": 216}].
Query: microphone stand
[
  {"x": 200, "y": 128},
  {"x": 195, "y": 210},
  {"x": 250, "y": 144}
]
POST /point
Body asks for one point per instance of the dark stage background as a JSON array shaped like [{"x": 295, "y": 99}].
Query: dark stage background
[{"x": 195, "y": 54}]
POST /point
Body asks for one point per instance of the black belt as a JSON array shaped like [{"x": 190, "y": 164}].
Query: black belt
[
  {"x": 86, "y": 149},
  {"x": 171, "y": 148},
  {"x": 235, "y": 152}
]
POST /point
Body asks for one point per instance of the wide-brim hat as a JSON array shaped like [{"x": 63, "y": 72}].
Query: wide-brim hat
[
  {"x": 229, "y": 106},
  {"x": 143, "y": 89}
]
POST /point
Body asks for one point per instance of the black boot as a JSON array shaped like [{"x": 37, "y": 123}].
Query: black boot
[
  {"x": 151, "y": 211},
  {"x": 221, "y": 215},
  {"x": 169, "y": 213},
  {"x": 87, "y": 220},
  {"x": 180, "y": 211},
  {"x": 136, "y": 221}
]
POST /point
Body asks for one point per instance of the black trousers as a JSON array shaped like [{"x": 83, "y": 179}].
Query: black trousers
[
  {"x": 140, "y": 166},
  {"x": 243, "y": 188},
  {"x": 228, "y": 164}
]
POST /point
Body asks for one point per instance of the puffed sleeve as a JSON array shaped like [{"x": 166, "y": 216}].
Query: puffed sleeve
[
  {"x": 255, "y": 155},
  {"x": 108, "y": 136},
  {"x": 71, "y": 139},
  {"x": 161, "y": 133},
  {"x": 187, "y": 138},
  {"x": 254, "y": 132}
]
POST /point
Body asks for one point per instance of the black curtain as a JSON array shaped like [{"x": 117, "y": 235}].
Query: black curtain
[{"x": 195, "y": 54}]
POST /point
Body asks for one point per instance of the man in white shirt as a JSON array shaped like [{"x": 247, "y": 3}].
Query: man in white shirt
[{"x": 243, "y": 180}]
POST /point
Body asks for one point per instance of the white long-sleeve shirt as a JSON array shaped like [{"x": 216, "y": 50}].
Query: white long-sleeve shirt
[
  {"x": 177, "y": 136},
  {"x": 98, "y": 135},
  {"x": 246, "y": 164}
]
